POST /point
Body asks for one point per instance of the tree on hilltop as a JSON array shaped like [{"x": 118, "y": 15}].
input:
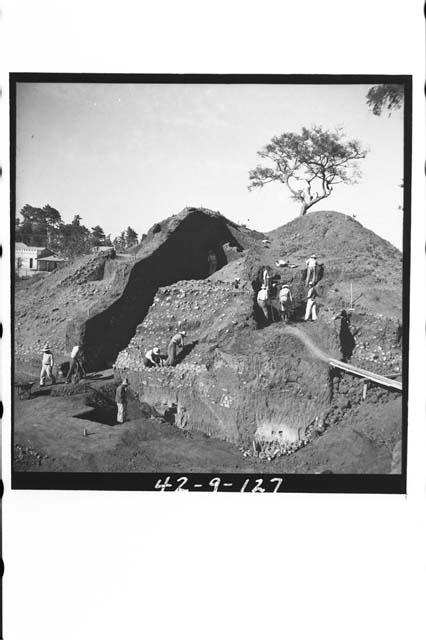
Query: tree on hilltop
[
  {"x": 385, "y": 96},
  {"x": 98, "y": 236},
  {"x": 309, "y": 164},
  {"x": 125, "y": 240},
  {"x": 119, "y": 242},
  {"x": 131, "y": 237}
]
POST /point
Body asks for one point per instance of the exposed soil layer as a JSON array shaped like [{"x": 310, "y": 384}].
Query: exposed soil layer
[
  {"x": 240, "y": 379},
  {"x": 51, "y": 434}
]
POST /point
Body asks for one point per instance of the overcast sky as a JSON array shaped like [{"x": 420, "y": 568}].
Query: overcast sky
[{"x": 125, "y": 154}]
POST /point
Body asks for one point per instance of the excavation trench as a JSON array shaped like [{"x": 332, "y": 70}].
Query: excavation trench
[{"x": 184, "y": 255}]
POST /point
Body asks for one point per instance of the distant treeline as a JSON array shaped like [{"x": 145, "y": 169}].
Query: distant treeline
[{"x": 44, "y": 227}]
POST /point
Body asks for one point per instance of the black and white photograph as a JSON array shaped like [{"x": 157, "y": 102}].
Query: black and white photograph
[
  {"x": 212, "y": 333},
  {"x": 210, "y": 281}
]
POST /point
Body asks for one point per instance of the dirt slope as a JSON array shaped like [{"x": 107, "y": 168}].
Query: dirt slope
[
  {"x": 238, "y": 379},
  {"x": 100, "y": 300}
]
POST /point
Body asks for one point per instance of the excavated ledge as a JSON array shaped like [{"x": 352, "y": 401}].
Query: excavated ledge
[{"x": 178, "y": 249}]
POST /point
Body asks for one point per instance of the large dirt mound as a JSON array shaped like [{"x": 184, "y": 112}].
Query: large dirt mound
[
  {"x": 242, "y": 381},
  {"x": 237, "y": 378},
  {"x": 99, "y": 300}
]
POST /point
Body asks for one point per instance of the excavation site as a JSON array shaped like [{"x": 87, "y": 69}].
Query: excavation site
[{"x": 245, "y": 388}]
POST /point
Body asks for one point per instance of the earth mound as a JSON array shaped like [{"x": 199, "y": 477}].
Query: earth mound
[
  {"x": 99, "y": 300},
  {"x": 240, "y": 378}
]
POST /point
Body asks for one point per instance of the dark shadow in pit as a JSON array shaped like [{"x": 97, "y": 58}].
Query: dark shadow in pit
[
  {"x": 42, "y": 392},
  {"x": 170, "y": 414},
  {"x": 183, "y": 255},
  {"x": 102, "y": 415},
  {"x": 98, "y": 376},
  {"x": 186, "y": 351}
]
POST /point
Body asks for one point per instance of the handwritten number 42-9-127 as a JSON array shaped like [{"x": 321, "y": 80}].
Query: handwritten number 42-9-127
[{"x": 216, "y": 483}]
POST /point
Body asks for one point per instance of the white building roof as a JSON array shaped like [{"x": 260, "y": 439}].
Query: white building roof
[
  {"x": 21, "y": 246},
  {"x": 52, "y": 259}
]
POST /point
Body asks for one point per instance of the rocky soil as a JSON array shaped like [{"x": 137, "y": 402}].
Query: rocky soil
[{"x": 241, "y": 380}]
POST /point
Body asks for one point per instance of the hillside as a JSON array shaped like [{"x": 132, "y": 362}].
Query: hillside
[{"x": 238, "y": 379}]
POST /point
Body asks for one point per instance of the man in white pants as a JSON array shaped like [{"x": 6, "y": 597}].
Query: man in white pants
[
  {"x": 47, "y": 363},
  {"x": 311, "y": 304},
  {"x": 311, "y": 269},
  {"x": 263, "y": 300},
  {"x": 121, "y": 401}
]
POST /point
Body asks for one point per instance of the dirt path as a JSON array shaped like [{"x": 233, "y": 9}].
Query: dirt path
[{"x": 309, "y": 344}]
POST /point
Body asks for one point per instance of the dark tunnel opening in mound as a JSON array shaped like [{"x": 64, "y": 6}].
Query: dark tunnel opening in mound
[{"x": 184, "y": 255}]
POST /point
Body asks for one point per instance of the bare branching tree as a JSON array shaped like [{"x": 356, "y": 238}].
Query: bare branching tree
[{"x": 310, "y": 164}]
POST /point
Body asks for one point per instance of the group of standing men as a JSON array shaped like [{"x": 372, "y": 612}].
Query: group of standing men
[{"x": 284, "y": 293}]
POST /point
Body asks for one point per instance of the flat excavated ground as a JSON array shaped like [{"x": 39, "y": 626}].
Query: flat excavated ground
[{"x": 49, "y": 437}]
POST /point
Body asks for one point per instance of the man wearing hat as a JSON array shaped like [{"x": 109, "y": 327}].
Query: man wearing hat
[
  {"x": 47, "y": 363},
  {"x": 311, "y": 302},
  {"x": 175, "y": 342},
  {"x": 263, "y": 300},
  {"x": 285, "y": 302},
  {"x": 153, "y": 358},
  {"x": 311, "y": 271},
  {"x": 121, "y": 400}
]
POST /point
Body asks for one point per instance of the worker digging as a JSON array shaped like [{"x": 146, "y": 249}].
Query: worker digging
[
  {"x": 175, "y": 342},
  {"x": 76, "y": 368},
  {"x": 153, "y": 358},
  {"x": 285, "y": 302}
]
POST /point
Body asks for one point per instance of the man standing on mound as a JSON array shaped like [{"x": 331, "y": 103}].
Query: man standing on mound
[
  {"x": 121, "y": 401},
  {"x": 285, "y": 302},
  {"x": 263, "y": 301},
  {"x": 311, "y": 269},
  {"x": 175, "y": 342},
  {"x": 311, "y": 304}
]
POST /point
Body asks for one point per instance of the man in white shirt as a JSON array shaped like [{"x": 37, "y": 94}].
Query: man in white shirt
[
  {"x": 285, "y": 302},
  {"x": 153, "y": 358},
  {"x": 311, "y": 271},
  {"x": 262, "y": 300},
  {"x": 75, "y": 364},
  {"x": 311, "y": 302},
  {"x": 47, "y": 363}
]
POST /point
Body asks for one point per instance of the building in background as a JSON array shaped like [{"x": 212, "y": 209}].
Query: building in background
[{"x": 32, "y": 260}]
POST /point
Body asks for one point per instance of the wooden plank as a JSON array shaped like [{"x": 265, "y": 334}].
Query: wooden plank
[{"x": 363, "y": 373}]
